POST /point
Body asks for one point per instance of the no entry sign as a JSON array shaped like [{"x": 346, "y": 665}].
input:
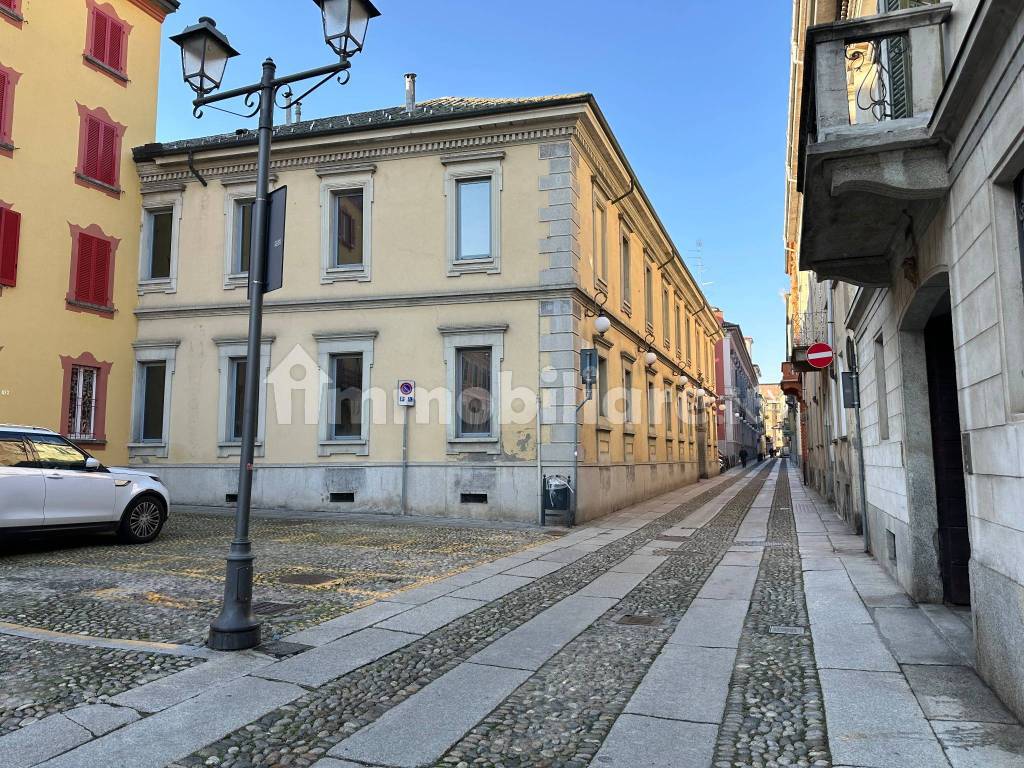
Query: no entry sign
[{"x": 820, "y": 355}]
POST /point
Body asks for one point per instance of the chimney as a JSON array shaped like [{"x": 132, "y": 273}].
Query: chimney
[{"x": 410, "y": 92}]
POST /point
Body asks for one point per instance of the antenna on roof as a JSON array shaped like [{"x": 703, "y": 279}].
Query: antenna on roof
[{"x": 698, "y": 264}]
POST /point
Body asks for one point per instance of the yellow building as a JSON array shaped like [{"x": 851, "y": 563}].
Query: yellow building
[
  {"x": 465, "y": 244},
  {"x": 78, "y": 89}
]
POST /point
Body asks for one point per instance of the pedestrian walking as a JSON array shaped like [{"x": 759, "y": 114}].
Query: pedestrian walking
[{"x": 743, "y": 456}]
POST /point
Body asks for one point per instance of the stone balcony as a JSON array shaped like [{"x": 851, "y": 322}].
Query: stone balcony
[{"x": 869, "y": 162}]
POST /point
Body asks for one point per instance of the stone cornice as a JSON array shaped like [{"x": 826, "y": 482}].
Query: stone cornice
[{"x": 295, "y": 158}]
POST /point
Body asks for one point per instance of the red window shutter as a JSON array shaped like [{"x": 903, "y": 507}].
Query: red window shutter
[
  {"x": 8, "y": 4},
  {"x": 108, "y": 155},
  {"x": 91, "y": 155},
  {"x": 10, "y": 230},
  {"x": 98, "y": 44},
  {"x": 115, "y": 44},
  {"x": 5, "y": 100},
  {"x": 86, "y": 258},
  {"x": 101, "y": 272}
]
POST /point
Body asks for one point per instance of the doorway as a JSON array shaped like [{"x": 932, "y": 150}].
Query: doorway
[{"x": 950, "y": 492}]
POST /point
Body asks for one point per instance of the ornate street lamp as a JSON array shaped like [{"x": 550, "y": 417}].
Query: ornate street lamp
[
  {"x": 204, "y": 56},
  {"x": 602, "y": 323},
  {"x": 345, "y": 23}
]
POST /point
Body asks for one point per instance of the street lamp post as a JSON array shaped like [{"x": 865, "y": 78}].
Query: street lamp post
[{"x": 204, "y": 55}]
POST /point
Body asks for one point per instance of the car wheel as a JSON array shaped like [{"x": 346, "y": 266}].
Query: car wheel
[{"x": 142, "y": 520}]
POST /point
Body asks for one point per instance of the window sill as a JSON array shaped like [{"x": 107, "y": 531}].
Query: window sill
[
  {"x": 236, "y": 280},
  {"x": 628, "y": 429},
  {"x": 230, "y": 448},
  {"x": 83, "y": 306},
  {"x": 94, "y": 63},
  {"x": 469, "y": 266},
  {"x": 345, "y": 274},
  {"x": 156, "y": 450},
  {"x": 603, "y": 424},
  {"x": 11, "y": 15},
  {"x": 157, "y": 285},
  {"x": 6, "y": 147},
  {"x": 102, "y": 186},
  {"x": 95, "y": 442},
  {"x": 356, "y": 446},
  {"x": 627, "y": 308},
  {"x": 482, "y": 444}
]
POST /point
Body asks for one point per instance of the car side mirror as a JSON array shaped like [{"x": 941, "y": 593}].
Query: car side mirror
[{"x": 91, "y": 464}]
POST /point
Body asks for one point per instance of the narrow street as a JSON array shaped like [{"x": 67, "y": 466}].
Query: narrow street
[{"x": 732, "y": 623}]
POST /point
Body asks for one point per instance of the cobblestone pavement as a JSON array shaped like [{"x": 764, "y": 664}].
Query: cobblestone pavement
[
  {"x": 169, "y": 590},
  {"x": 722, "y": 625},
  {"x": 775, "y": 714},
  {"x": 298, "y": 734},
  {"x": 40, "y": 678}
]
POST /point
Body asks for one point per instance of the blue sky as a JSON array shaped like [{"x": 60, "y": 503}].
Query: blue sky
[{"x": 695, "y": 91}]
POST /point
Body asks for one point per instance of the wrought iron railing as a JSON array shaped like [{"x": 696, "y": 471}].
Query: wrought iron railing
[{"x": 810, "y": 328}]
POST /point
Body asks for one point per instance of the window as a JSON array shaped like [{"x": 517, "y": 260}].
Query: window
[
  {"x": 158, "y": 254},
  {"x": 627, "y": 392},
  {"x": 13, "y": 451},
  {"x": 668, "y": 407},
  {"x": 92, "y": 270},
  {"x": 236, "y": 403},
  {"x": 600, "y": 237},
  {"x": 474, "y": 392},
  {"x": 242, "y": 241},
  {"x": 8, "y": 79},
  {"x": 10, "y": 238},
  {"x": 154, "y": 368},
  {"x": 666, "y": 327},
  {"x": 82, "y": 403},
  {"x": 345, "y": 415},
  {"x": 602, "y": 387},
  {"x": 154, "y": 377},
  {"x": 881, "y": 389},
  {"x": 10, "y": 11},
  {"x": 107, "y": 45},
  {"x": 232, "y": 365},
  {"x": 627, "y": 288},
  {"x": 652, "y": 407},
  {"x": 347, "y": 402},
  {"x": 648, "y": 294},
  {"x": 99, "y": 150},
  {"x": 689, "y": 336},
  {"x": 474, "y": 201},
  {"x": 346, "y": 199},
  {"x": 348, "y": 228},
  {"x": 679, "y": 416},
  {"x": 53, "y": 452},
  {"x": 472, "y": 190},
  {"x": 678, "y": 331},
  {"x": 158, "y": 246}
]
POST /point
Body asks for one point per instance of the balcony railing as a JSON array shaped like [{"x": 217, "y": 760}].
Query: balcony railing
[{"x": 810, "y": 328}]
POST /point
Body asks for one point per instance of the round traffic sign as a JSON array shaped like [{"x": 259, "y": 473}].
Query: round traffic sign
[
  {"x": 820, "y": 355},
  {"x": 406, "y": 387}
]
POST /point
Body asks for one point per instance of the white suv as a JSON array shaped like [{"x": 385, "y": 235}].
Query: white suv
[{"x": 48, "y": 484}]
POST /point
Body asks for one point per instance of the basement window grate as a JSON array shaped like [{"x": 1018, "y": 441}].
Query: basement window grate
[
  {"x": 343, "y": 496},
  {"x": 231, "y": 497},
  {"x": 281, "y": 650},
  {"x": 785, "y": 630},
  {"x": 473, "y": 498},
  {"x": 268, "y": 608}
]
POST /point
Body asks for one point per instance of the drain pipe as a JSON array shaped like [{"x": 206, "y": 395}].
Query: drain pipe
[
  {"x": 851, "y": 354},
  {"x": 574, "y": 501}
]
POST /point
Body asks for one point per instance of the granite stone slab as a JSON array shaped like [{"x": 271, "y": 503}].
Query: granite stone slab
[
  {"x": 912, "y": 638},
  {"x": 685, "y": 683},
  {"x": 610, "y": 584},
  {"x": 533, "y": 643},
  {"x": 535, "y": 569},
  {"x": 347, "y": 624},
  {"x": 712, "y": 623},
  {"x": 982, "y": 745},
  {"x": 327, "y": 662},
  {"x": 40, "y": 741},
  {"x": 180, "y": 730},
  {"x": 649, "y": 742},
  {"x": 729, "y": 582},
  {"x": 851, "y": 646},
  {"x": 420, "y": 729},
  {"x": 424, "y": 619},
  {"x": 492, "y": 587},
  {"x": 955, "y": 693},
  {"x": 99, "y": 719},
  {"x": 831, "y": 599}
]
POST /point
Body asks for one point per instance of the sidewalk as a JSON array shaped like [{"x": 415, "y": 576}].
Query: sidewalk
[{"x": 897, "y": 677}]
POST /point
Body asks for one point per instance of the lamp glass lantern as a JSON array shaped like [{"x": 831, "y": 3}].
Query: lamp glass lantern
[
  {"x": 205, "y": 51},
  {"x": 602, "y": 324},
  {"x": 650, "y": 358},
  {"x": 683, "y": 381},
  {"x": 345, "y": 23}
]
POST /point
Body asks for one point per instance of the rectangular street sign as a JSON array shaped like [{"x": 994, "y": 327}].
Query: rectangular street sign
[
  {"x": 588, "y": 365},
  {"x": 851, "y": 393},
  {"x": 276, "y": 204}
]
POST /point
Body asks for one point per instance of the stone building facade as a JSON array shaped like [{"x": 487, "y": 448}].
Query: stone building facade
[
  {"x": 904, "y": 225},
  {"x": 468, "y": 245},
  {"x": 739, "y": 412}
]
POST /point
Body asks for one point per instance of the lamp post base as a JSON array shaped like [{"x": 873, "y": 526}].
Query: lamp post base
[{"x": 236, "y": 628}]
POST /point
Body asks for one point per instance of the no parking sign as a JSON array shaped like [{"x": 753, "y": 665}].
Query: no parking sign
[{"x": 407, "y": 392}]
